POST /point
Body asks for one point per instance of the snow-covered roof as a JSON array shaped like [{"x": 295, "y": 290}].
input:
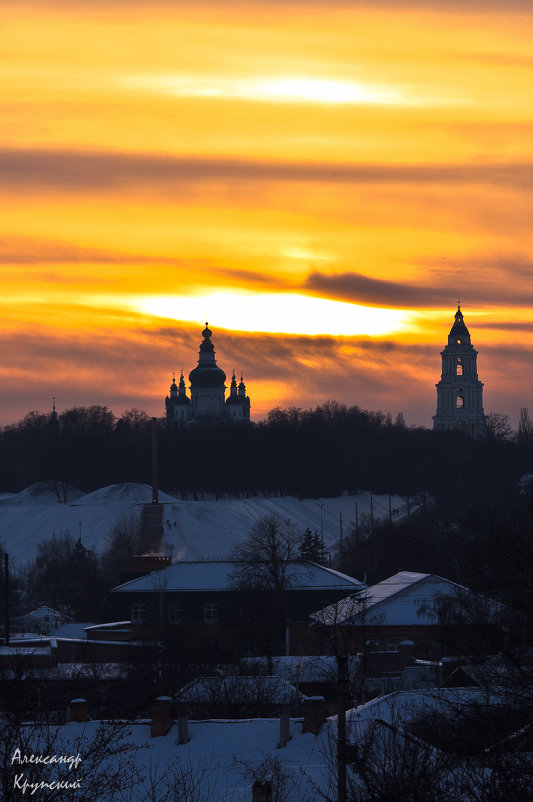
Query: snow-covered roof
[
  {"x": 215, "y": 758},
  {"x": 406, "y": 705},
  {"x": 25, "y": 650},
  {"x": 238, "y": 690},
  {"x": 217, "y": 575},
  {"x": 218, "y": 752},
  {"x": 121, "y": 626},
  {"x": 295, "y": 669},
  {"x": 43, "y": 614},
  {"x": 74, "y": 629},
  {"x": 394, "y": 584},
  {"x": 373, "y": 601}
]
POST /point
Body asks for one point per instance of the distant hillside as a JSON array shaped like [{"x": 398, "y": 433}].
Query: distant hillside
[{"x": 196, "y": 529}]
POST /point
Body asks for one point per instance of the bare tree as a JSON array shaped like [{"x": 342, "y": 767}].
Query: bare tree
[
  {"x": 525, "y": 427},
  {"x": 101, "y": 764},
  {"x": 283, "y": 785},
  {"x": 181, "y": 781},
  {"x": 499, "y": 426},
  {"x": 265, "y": 560}
]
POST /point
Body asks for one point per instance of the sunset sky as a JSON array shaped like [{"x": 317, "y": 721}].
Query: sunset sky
[{"x": 321, "y": 181}]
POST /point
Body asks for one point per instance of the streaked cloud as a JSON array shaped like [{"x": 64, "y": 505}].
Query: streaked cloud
[
  {"x": 480, "y": 282},
  {"x": 78, "y": 171}
]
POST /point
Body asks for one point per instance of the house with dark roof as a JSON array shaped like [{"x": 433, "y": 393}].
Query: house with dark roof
[{"x": 204, "y": 610}]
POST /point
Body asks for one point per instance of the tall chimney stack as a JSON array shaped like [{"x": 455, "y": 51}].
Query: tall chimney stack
[{"x": 155, "y": 478}]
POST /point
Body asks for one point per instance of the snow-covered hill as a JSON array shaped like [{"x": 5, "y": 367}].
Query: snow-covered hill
[{"x": 196, "y": 529}]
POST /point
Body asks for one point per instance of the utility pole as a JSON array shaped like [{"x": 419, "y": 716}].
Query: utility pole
[
  {"x": 6, "y": 599},
  {"x": 321, "y": 523},
  {"x": 342, "y": 698}
]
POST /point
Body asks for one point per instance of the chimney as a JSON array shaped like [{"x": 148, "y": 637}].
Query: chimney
[
  {"x": 183, "y": 731},
  {"x": 284, "y": 729},
  {"x": 78, "y": 710},
  {"x": 161, "y": 716},
  {"x": 155, "y": 459},
  {"x": 407, "y": 652},
  {"x": 314, "y": 714}
]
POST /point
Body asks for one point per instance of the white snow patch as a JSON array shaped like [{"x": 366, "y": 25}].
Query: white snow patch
[
  {"x": 198, "y": 530},
  {"x": 125, "y": 491},
  {"x": 44, "y": 493}
]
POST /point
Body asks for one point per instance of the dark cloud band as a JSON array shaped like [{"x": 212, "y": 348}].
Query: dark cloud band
[{"x": 81, "y": 171}]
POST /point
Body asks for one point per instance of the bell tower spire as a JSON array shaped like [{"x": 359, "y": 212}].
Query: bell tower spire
[{"x": 459, "y": 391}]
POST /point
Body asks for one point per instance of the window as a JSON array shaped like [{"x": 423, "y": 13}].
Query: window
[
  {"x": 174, "y": 613},
  {"x": 211, "y": 643},
  {"x": 138, "y": 613},
  {"x": 459, "y": 369},
  {"x": 460, "y": 402},
  {"x": 210, "y": 613},
  {"x": 393, "y": 644}
]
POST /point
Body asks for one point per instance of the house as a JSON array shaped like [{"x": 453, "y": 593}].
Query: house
[
  {"x": 43, "y": 620},
  {"x": 201, "y": 609},
  {"x": 407, "y": 608}
]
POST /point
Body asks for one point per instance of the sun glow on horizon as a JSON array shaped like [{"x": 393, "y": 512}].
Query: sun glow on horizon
[
  {"x": 281, "y": 89},
  {"x": 272, "y": 313}
]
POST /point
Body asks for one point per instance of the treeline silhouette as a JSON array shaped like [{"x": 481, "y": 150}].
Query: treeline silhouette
[{"x": 306, "y": 453}]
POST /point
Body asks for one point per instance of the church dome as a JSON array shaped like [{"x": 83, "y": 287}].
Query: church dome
[{"x": 207, "y": 373}]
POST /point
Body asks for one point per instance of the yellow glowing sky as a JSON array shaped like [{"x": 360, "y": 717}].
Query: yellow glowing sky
[{"x": 321, "y": 181}]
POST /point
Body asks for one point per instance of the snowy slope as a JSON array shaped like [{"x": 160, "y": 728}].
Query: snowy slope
[{"x": 196, "y": 529}]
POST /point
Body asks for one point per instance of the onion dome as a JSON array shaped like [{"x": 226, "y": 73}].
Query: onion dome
[
  {"x": 233, "y": 398},
  {"x": 207, "y": 374},
  {"x": 173, "y": 387},
  {"x": 242, "y": 388},
  {"x": 182, "y": 392}
]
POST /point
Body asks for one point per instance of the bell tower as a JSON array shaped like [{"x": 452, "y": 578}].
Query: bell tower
[{"x": 459, "y": 391}]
